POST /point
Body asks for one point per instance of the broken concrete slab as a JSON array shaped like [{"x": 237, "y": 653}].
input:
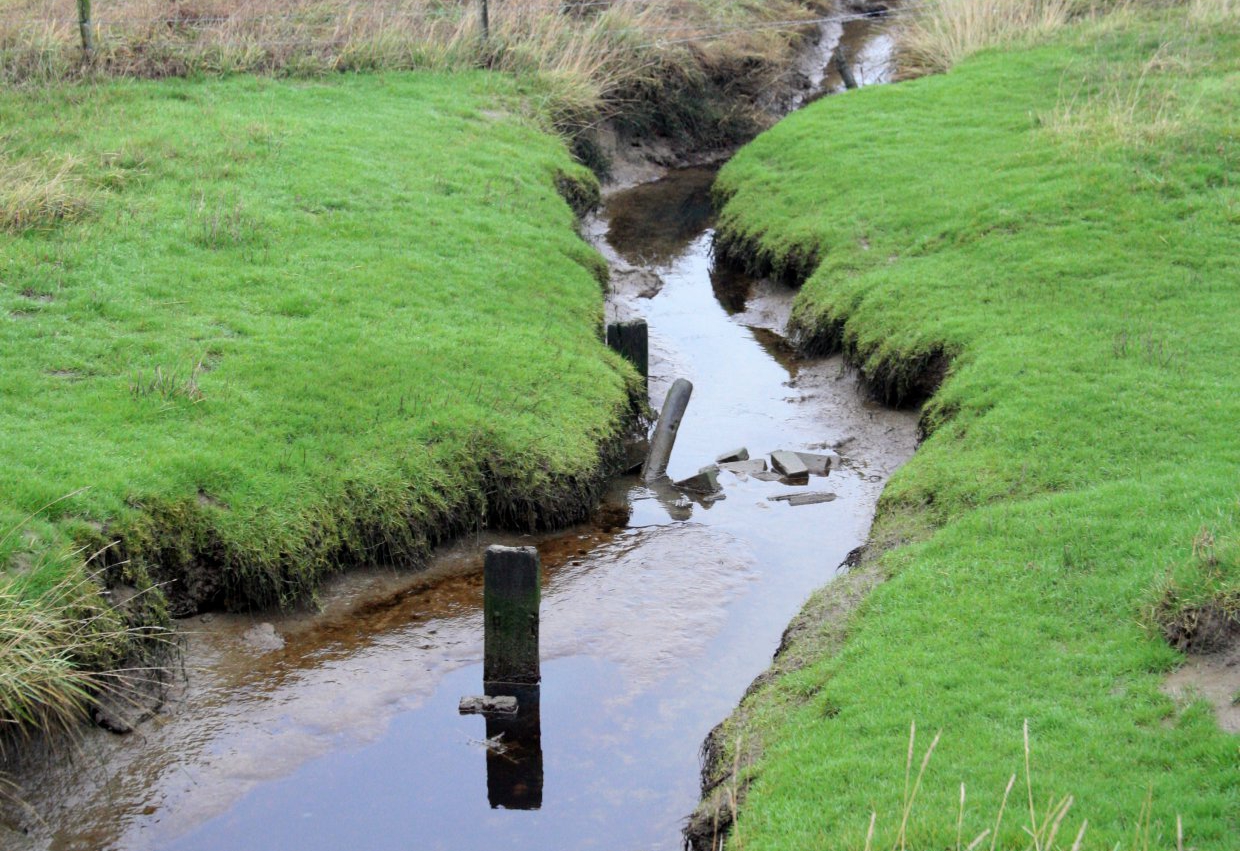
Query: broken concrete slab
[
  {"x": 733, "y": 455},
  {"x": 819, "y": 464},
  {"x": 706, "y": 480},
  {"x": 488, "y": 705},
  {"x": 747, "y": 467},
  {"x": 767, "y": 477},
  {"x": 788, "y": 463},
  {"x": 808, "y": 498}
]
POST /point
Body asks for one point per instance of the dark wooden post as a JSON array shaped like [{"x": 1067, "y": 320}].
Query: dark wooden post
[
  {"x": 841, "y": 65},
  {"x": 632, "y": 340},
  {"x": 510, "y": 599},
  {"x": 486, "y": 22},
  {"x": 86, "y": 27}
]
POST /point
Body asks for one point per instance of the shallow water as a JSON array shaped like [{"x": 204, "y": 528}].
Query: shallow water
[{"x": 339, "y": 729}]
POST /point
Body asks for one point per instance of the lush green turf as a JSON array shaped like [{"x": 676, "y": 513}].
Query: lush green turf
[
  {"x": 1081, "y": 267},
  {"x": 294, "y": 326}
]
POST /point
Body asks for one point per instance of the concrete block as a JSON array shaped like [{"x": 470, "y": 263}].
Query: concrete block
[
  {"x": 706, "y": 481},
  {"x": 819, "y": 464},
  {"x": 741, "y": 454},
  {"x": 748, "y": 467},
  {"x": 788, "y": 463},
  {"x": 808, "y": 498}
]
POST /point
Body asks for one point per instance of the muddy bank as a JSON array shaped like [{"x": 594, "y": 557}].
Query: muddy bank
[{"x": 701, "y": 120}]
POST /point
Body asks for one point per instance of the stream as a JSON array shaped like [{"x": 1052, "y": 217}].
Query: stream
[{"x": 339, "y": 728}]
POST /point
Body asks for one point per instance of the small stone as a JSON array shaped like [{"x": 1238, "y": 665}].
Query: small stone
[
  {"x": 263, "y": 637},
  {"x": 810, "y": 498},
  {"x": 819, "y": 465},
  {"x": 747, "y": 467},
  {"x": 767, "y": 477},
  {"x": 741, "y": 454},
  {"x": 488, "y": 705},
  {"x": 706, "y": 481},
  {"x": 788, "y": 463}
]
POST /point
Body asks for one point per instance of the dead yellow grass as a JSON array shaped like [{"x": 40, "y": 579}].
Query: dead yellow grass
[
  {"x": 941, "y": 33},
  {"x": 589, "y": 49},
  {"x": 35, "y": 195}
]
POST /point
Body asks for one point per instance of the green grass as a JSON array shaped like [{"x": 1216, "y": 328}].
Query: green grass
[
  {"x": 1079, "y": 266},
  {"x": 293, "y": 327}
]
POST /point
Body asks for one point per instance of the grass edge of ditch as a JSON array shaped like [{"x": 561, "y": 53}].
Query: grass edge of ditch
[
  {"x": 98, "y": 593},
  {"x": 1191, "y": 607}
]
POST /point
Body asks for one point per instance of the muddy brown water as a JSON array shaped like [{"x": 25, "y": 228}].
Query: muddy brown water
[{"x": 339, "y": 728}]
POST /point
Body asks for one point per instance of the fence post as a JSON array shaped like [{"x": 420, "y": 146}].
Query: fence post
[
  {"x": 510, "y": 599},
  {"x": 85, "y": 27},
  {"x": 632, "y": 340},
  {"x": 486, "y": 22}
]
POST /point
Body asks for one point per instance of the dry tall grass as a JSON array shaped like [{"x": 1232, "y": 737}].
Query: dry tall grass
[
  {"x": 34, "y": 195},
  {"x": 54, "y": 650},
  {"x": 587, "y": 49},
  {"x": 941, "y": 33}
]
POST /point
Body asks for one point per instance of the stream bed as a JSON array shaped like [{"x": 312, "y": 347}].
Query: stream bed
[{"x": 339, "y": 728}]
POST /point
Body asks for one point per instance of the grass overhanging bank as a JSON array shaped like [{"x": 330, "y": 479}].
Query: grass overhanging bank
[
  {"x": 1056, "y": 224},
  {"x": 258, "y": 331}
]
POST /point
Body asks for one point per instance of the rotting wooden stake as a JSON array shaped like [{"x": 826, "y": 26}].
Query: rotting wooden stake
[
  {"x": 841, "y": 65},
  {"x": 86, "y": 27},
  {"x": 665, "y": 432},
  {"x": 510, "y": 600},
  {"x": 632, "y": 340}
]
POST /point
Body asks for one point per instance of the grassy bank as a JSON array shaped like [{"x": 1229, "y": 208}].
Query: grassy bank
[
  {"x": 673, "y": 67},
  {"x": 259, "y": 331},
  {"x": 1058, "y": 225}
]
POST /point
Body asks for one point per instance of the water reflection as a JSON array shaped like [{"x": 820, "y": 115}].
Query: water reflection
[{"x": 514, "y": 750}]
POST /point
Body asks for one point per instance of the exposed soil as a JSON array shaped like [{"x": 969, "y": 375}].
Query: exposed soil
[{"x": 1214, "y": 677}]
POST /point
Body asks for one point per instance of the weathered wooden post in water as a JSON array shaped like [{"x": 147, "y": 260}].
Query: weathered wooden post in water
[
  {"x": 665, "y": 432},
  {"x": 86, "y": 27},
  {"x": 632, "y": 340},
  {"x": 510, "y": 599}
]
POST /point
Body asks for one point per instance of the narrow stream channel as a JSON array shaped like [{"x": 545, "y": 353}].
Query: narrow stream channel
[{"x": 339, "y": 729}]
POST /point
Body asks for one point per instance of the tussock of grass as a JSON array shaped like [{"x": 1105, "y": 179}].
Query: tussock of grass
[
  {"x": 62, "y": 646},
  {"x": 36, "y": 195},
  {"x": 1089, "y": 300},
  {"x": 1196, "y": 606}
]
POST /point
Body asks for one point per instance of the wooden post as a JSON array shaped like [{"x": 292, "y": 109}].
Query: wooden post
[
  {"x": 486, "y": 22},
  {"x": 632, "y": 340},
  {"x": 841, "y": 65},
  {"x": 85, "y": 27},
  {"x": 510, "y": 599},
  {"x": 665, "y": 432}
]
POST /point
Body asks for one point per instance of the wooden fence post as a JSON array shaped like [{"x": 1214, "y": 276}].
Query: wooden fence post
[
  {"x": 86, "y": 27},
  {"x": 510, "y": 599}
]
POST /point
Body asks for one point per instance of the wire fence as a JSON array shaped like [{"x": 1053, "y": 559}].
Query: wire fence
[{"x": 684, "y": 32}]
